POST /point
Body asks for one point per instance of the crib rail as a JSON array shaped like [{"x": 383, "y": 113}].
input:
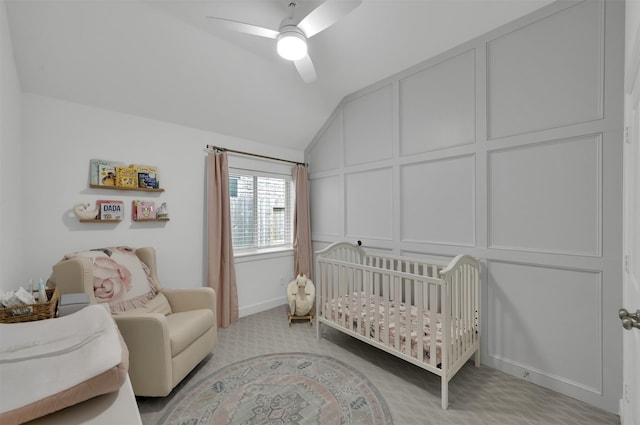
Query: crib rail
[
  {"x": 356, "y": 290},
  {"x": 339, "y": 282},
  {"x": 343, "y": 251},
  {"x": 461, "y": 312}
]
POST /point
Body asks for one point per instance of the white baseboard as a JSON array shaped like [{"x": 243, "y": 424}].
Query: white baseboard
[{"x": 266, "y": 305}]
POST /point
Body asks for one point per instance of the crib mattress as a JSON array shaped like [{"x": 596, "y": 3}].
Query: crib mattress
[{"x": 347, "y": 309}]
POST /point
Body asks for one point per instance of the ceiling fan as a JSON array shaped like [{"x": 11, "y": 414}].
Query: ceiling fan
[{"x": 292, "y": 37}]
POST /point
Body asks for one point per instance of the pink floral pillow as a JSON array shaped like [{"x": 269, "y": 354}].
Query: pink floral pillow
[{"x": 119, "y": 277}]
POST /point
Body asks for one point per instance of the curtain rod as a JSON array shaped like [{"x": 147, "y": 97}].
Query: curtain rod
[{"x": 216, "y": 148}]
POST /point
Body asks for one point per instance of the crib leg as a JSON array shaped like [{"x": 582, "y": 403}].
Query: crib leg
[
  {"x": 445, "y": 393},
  {"x": 477, "y": 356},
  {"x": 318, "y": 330}
]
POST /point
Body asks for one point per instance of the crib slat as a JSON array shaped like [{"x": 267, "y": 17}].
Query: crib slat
[
  {"x": 345, "y": 300},
  {"x": 359, "y": 290},
  {"x": 366, "y": 330},
  {"x": 408, "y": 284},
  {"x": 397, "y": 316},
  {"x": 467, "y": 307},
  {"x": 376, "y": 313},
  {"x": 385, "y": 318},
  {"x": 454, "y": 317},
  {"x": 433, "y": 328},
  {"x": 419, "y": 294},
  {"x": 351, "y": 295}
]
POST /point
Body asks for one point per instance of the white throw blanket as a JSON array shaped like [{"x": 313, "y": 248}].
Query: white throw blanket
[{"x": 42, "y": 358}]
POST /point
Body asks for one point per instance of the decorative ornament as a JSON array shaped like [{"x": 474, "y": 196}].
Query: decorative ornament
[
  {"x": 80, "y": 210},
  {"x": 162, "y": 211}
]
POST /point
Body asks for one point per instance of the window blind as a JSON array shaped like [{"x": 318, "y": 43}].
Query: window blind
[{"x": 261, "y": 211}]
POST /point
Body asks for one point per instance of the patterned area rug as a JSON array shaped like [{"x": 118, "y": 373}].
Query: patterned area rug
[{"x": 282, "y": 389}]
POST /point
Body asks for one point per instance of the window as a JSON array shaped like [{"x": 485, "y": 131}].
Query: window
[{"x": 261, "y": 210}]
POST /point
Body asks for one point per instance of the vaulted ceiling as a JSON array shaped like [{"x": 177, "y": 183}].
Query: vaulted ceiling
[{"x": 164, "y": 60}]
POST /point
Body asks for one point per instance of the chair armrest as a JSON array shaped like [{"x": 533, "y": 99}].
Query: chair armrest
[
  {"x": 73, "y": 276},
  {"x": 147, "y": 338},
  {"x": 186, "y": 299},
  {"x": 139, "y": 328}
]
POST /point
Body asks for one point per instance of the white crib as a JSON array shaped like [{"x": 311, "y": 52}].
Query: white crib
[{"x": 382, "y": 299}]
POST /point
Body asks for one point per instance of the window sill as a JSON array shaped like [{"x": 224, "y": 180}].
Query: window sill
[{"x": 262, "y": 254}]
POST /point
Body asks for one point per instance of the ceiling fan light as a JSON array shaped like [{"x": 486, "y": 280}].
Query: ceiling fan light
[{"x": 292, "y": 45}]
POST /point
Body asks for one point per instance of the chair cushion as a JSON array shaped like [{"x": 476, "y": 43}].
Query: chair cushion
[
  {"x": 187, "y": 326},
  {"x": 159, "y": 304},
  {"x": 119, "y": 277}
]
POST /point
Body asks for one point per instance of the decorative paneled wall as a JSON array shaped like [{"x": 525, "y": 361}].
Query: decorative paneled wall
[
  {"x": 509, "y": 148},
  {"x": 550, "y": 72},
  {"x": 443, "y": 190},
  {"x": 437, "y": 106},
  {"x": 369, "y": 118},
  {"x": 554, "y": 188}
]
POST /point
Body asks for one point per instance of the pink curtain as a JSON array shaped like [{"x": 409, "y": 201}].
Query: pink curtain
[
  {"x": 221, "y": 267},
  {"x": 302, "y": 253}
]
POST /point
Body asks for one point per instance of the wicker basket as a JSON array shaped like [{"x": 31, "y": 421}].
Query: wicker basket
[{"x": 31, "y": 312}]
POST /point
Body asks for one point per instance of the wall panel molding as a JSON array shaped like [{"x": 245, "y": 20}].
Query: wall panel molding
[
  {"x": 547, "y": 331},
  {"x": 368, "y": 127},
  {"x": 326, "y": 214},
  {"x": 543, "y": 76},
  {"x": 437, "y": 106},
  {"x": 452, "y": 206},
  {"x": 546, "y": 196},
  {"x": 368, "y": 204},
  {"x": 327, "y": 152}
]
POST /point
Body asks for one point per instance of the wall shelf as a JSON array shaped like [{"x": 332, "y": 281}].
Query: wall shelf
[
  {"x": 139, "y": 189},
  {"x": 150, "y": 219},
  {"x": 94, "y": 220}
]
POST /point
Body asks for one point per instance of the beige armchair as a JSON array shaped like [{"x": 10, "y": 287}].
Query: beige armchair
[{"x": 166, "y": 338}]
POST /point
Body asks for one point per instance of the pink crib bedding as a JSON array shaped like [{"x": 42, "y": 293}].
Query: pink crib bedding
[{"x": 348, "y": 307}]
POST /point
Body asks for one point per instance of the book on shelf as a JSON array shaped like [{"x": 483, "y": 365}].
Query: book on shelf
[
  {"x": 143, "y": 210},
  {"x": 102, "y": 172},
  {"x": 110, "y": 210},
  {"x": 107, "y": 175},
  {"x": 126, "y": 177},
  {"x": 147, "y": 176}
]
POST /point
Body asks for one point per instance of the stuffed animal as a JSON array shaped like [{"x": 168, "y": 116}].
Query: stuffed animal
[
  {"x": 301, "y": 293},
  {"x": 81, "y": 211}
]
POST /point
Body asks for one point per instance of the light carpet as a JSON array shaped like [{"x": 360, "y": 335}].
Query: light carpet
[
  {"x": 477, "y": 396},
  {"x": 281, "y": 389}
]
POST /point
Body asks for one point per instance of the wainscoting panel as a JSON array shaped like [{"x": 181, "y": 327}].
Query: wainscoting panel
[
  {"x": 368, "y": 204},
  {"x": 450, "y": 207},
  {"x": 546, "y": 197},
  {"x": 508, "y": 148},
  {"x": 548, "y": 74},
  {"x": 368, "y": 127},
  {"x": 326, "y": 198},
  {"x": 546, "y": 321},
  {"x": 327, "y": 153},
  {"x": 437, "y": 106}
]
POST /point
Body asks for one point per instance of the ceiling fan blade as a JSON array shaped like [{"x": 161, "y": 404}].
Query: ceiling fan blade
[
  {"x": 325, "y": 15},
  {"x": 305, "y": 69},
  {"x": 245, "y": 28}
]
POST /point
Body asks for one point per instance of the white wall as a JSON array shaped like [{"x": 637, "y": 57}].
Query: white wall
[
  {"x": 59, "y": 139},
  {"x": 508, "y": 147},
  {"x": 11, "y": 221}
]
